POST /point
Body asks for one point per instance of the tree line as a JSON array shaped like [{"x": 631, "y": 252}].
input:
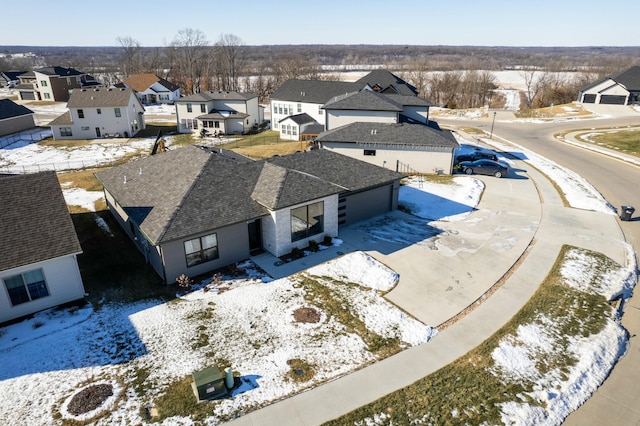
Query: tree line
[{"x": 451, "y": 76}]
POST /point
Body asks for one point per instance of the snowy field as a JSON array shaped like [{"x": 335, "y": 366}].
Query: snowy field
[{"x": 252, "y": 320}]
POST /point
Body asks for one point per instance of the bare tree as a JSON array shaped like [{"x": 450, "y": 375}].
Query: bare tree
[
  {"x": 187, "y": 54},
  {"x": 131, "y": 55},
  {"x": 230, "y": 60}
]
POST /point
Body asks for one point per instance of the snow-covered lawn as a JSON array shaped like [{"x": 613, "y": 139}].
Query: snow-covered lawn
[{"x": 247, "y": 322}]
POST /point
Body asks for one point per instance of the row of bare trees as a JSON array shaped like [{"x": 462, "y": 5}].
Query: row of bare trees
[{"x": 195, "y": 65}]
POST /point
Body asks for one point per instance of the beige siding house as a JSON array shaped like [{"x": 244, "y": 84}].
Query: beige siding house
[
  {"x": 100, "y": 113},
  {"x": 38, "y": 266}
]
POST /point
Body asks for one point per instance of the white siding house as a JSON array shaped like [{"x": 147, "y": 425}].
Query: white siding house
[
  {"x": 100, "y": 113},
  {"x": 218, "y": 112},
  {"x": 38, "y": 266}
]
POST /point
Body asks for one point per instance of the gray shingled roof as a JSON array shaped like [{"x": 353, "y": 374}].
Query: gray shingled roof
[
  {"x": 99, "y": 98},
  {"x": 222, "y": 115},
  {"x": 299, "y": 118},
  {"x": 387, "y": 82},
  {"x": 390, "y": 134},
  {"x": 10, "y": 109},
  {"x": 36, "y": 224},
  {"x": 345, "y": 172},
  {"x": 364, "y": 100},
  {"x": 59, "y": 71},
  {"x": 62, "y": 120},
  {"x": 279, "y": 187},
  {"x": 216, "y": 95},
  {"x": 409, "y": 100},
  {"x": 191, "y": 190},
  {"x": 629, "y": 78},
  {"x": 312, "y": 91}
]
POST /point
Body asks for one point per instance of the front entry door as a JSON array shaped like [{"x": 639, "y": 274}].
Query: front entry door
[
  {"x": 97, "y": 132},
  {"x": 255, "y": 237}
]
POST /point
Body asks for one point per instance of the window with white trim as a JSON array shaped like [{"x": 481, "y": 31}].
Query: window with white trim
[
  {"x": 202, "y": 249},
  {"x": 26, "y": 287}
]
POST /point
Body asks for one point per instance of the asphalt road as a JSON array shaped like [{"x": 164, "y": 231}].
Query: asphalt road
[{"x": 617, "y": 401}]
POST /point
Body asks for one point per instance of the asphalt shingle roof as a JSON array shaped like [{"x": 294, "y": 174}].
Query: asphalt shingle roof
[
  {"x": 34, "y": 219},
  {"x": 313, "y": 91},
  {"x": 99, "y": 98},
  {"x": 144, "y": 81},
  {"x": 364, "y": 100},
  {"x": 345, "y": 172},
  {"x": 191, "y": 190},
  {"x": 58, "y": 71},
  {"x": 387, "y": 82},
  {"x": 10, "y": 109},
  {"x": 216, "y": 96},
  {"x": 390, "y": 134},
  {"x": 629, "y": 78},
  {"x": 300, "y": 118}
]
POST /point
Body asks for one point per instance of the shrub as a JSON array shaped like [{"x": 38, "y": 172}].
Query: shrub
[{"x": 313, "y": 246}]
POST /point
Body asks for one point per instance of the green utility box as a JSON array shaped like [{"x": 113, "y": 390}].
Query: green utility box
[{"x": 208, "y": 384}]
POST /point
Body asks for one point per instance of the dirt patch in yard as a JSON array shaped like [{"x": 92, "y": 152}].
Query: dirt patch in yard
[{"x": 306, "y": 315}]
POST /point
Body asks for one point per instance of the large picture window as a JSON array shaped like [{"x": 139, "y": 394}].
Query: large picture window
[
  {"x": 200, "y": 250},
  {"x": 307, "y": 221},
  {"x": 26, "y": 287}
]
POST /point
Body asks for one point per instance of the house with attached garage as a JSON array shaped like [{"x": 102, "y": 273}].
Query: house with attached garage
[
  {"x": 405, "y": 147},
  {"x": 152, "y": 89},
  {"x": 622, "y": 88},
  {"x": 14, "y": 118},
  {"x": 100, "y": 113},
  {"x": 218, "y": 112},
  {"x": 193, "y": 210},
  {"x": 38, "y": 265},
  {"x": 53, "y": 83}
]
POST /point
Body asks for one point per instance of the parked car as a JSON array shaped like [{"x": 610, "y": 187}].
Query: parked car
[
  {"x": 476, "y": 155},
  {"x": 484, "y": 167}
]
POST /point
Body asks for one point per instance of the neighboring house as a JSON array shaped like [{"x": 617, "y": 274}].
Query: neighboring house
[
  {"x": 53, "y": 83},
  {"x": 100, "y": 113},
  {"x": 218, "y": 112},
  {"x": 14, "y": 118},
  {"x": 152, "y": 89},
  {"x": 388, "y": 83},
  {"x": 293, "y": 126},
  {"x": 10, "y": 78},
  {"x": 38, "y": 265},
  {"x": 193, "y": 210},
  {"x": 619, "y": 89},
  {"x": 409, "y": 148},
  {"x": 305, "y": 97},
  {"x": 380, "y": 98}
]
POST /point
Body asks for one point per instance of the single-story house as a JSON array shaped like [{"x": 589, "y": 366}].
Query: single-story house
[
  {"x": 192, "y": 210},
  {"x": 152, "y": 89},
  {"x": 622, "y": 88},
  {"x": 14, "y": 118},
  {"x": 404, "y": 147},
  {"x": 100, "y": 113},
  {"x": 218, "y": 112},
  {"x": 293, "y": 126},
  {"x": 38, "y": 265}
]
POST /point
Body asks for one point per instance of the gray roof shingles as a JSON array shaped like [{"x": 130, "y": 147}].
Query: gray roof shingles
[
  {"x": 99, "y": 98},
  {"x": 36, "y": 225},
  {"x": 364, "y": 100},
  {"x": 313, "y": 91},
  {"x": 387, "y": 82},
  {"x": 10, "y": 109},
  {"x": 390, "y": 134},
  {"x": 216, "y": 96},
  {"x": 193, "y": 190}
]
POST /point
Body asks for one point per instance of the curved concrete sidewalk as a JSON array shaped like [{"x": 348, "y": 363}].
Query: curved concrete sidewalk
[{"x": 518, "y": 222}]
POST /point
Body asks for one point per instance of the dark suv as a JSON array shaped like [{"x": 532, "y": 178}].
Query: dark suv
[{"x": 476, "y": 155}]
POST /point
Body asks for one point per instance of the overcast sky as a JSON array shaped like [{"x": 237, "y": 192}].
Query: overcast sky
[{"x": 410, "y": 22}]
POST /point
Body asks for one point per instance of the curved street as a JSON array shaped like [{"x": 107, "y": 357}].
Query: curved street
[{"x": 617, "y": 401}]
